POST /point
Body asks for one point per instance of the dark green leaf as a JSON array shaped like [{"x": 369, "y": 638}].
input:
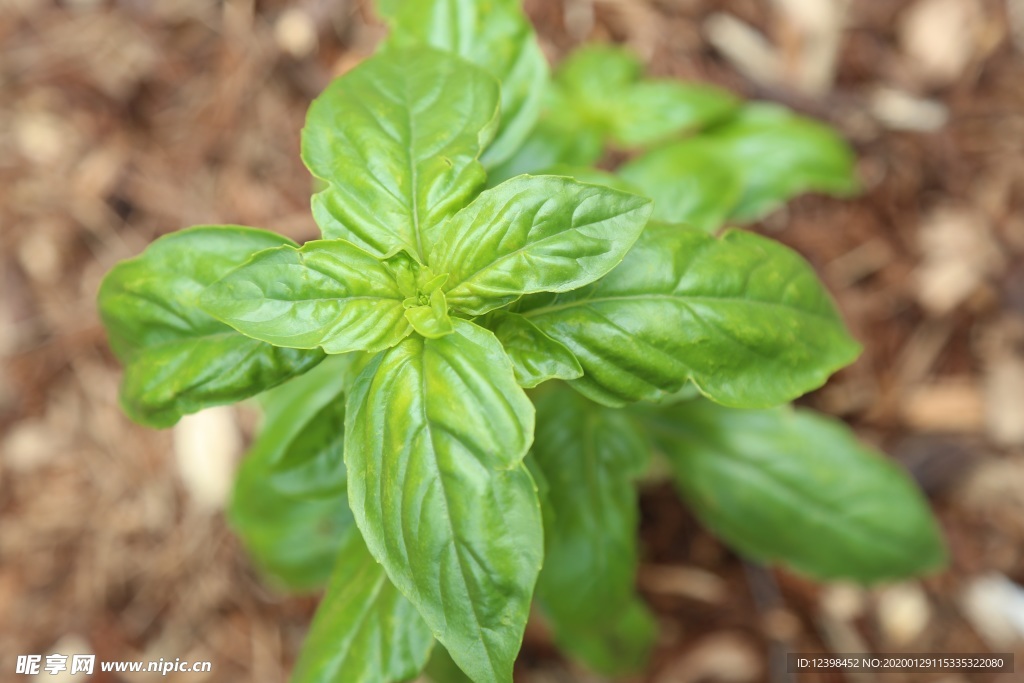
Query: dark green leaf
[
  {"x": 494, "y": 35},
  {"x": 743, "y": 317},
  {"x": 397, "y": 140},
  {"x": 437, "y": 429},
  {"x": 794, "y": 487},
  {"x": 329, "y": 294},
  {"x": 442, "y": 669},
  {"x": 614, "y": 646},
  {"x": 589, "y": 456},
  {"x": 781, "y": 155},
  {"x": 364, "y": 629},
  {"x": 300, "y": 445},
  {"x": 532, "y": 234},
  {"x": 535, "y": 356},
  {"x": 689, "y": 182},
  {"x": 289, "y": 504},
  {"x": 177, "y": 358},
  {"x": 554, "y": 141}
]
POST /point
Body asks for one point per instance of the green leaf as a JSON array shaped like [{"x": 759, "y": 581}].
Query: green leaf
[
  {"x": 743, "y": 317},
  {"x": 289, "y": 502},
  {"x": 397, "y": 140},
  {"x": 364, "y": 629},
  {"x": 653, "y": 110},
  {"x": 437, "y": 429},
  {"x": 603, "y": 86},
  {"x": 594, "y": 176},
  {"x": 532, "y": 234},
  {"x": 328, "y": 293},
  {"x": 596, "y": 73},
  {"x": 442, "y": 669},
  {"x": 689, "y": 183},
  {"x": 535, "y": 356},
  {"x": 553, "y": 142},
  {"x": 431, "y": 320},
  {"x": 794, "y": 487},
  {"x": 178, "y": 359},
  {"x": 494, "y": 35},
  {"x": 781, "y": 155},
  {"x": 590, "y": 456},
  {"x": 615, "y": 647}
]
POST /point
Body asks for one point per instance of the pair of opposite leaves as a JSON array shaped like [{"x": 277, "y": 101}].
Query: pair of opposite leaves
[{"x": 529, "y": 235}]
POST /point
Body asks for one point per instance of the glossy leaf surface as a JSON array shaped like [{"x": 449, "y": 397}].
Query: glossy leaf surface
[
  {"x": 743, "y": 317},
  {"x": 397, "y": 140},
  {"x": 794, "y": 487},
  {"x": 535, "y": 356},
  {"x": 328, "y": 294},
  {"x": 177, "y": 358},
  {"x": 494, "y": 35},
  {"x": 532, "y": 234},
  {"x": 590, "y": 456},
  {"x": 364, "y": 629},
  {"x": 437, "y": 429}
]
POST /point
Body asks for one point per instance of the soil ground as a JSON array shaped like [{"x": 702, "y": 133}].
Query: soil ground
[{"x": 124, "y": 120}]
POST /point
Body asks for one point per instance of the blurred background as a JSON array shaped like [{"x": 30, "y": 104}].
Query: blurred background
[{"x": 122, "y": 120}]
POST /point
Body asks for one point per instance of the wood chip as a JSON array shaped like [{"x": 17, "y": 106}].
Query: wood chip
[
  {"x": 726, "y": 657},
  {"x": 995, "y": 607},
  {"x": 688, "y": 582},
  {"x": 958, "y": 253},
  {"x": 948, "y": 405},
  {"x": 903, "y": 612},
  {"x": 940, "y": 37},
  {"x": 900, "y": 110},
  {"x": 295, "y": 33},
  {"x": 746, "y": 48},
  {"x": 207, "y": 446}
]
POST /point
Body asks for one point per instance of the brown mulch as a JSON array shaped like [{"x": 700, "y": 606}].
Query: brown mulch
[{"x": 124, "y": 120}]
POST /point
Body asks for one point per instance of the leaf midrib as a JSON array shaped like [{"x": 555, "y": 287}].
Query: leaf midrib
[{"x": 685, "y": 299}]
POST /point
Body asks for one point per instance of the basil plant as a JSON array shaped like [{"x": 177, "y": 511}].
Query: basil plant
[{"x": 464, "y": 378}]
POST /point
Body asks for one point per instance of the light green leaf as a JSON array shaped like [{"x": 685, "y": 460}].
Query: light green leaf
[
  {"x": 781, "y": 155},
  {"x": 431, "y": 320},
  {"x": 364, "y": 629},
  {"x": 598, "y": 72},
  {"x": 589, "y": 456},
  {"x": 437, "y": 429},
  {"x": 328, "y": 293},
  {"x": 494, "y": 35},
  {"x": 289, "y": 502},
  {"x": 178, "y": 359},
  {"x": 689, "y": 182},
  {"x": 532, "y": 234},
  {"x": 652, "y": 110},
  {"x": 794, "y": 487},
  {"x": 603, "y": 86},
  {"x": 535, "y": 356},
  {"x": 743, "y": 317},
  {"x": 595, "y": 176},
  {"x": 397, "y": 140}
]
